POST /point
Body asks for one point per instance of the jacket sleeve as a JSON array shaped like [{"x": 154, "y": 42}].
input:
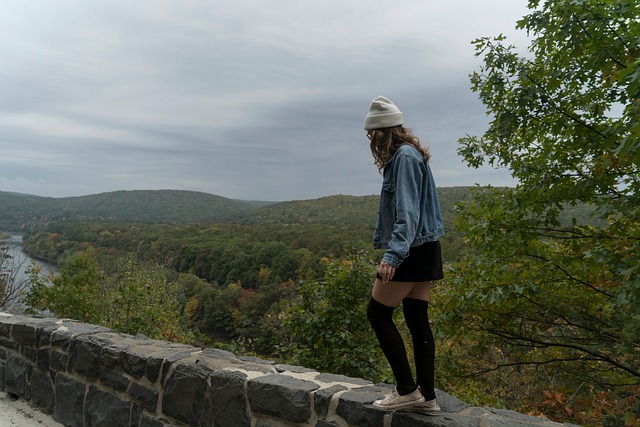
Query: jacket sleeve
[{"x": 408, "y": 182}]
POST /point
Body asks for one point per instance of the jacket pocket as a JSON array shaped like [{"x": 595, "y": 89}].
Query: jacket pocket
[{"x": 388, "y": 194}]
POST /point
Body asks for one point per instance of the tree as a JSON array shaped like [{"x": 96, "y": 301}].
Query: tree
[
  {"x": 327, "y": 324},
  {"x": 548, "y": 292},
  {"x": 137, "y": 298},
  {"x": 142, "y": 299},
  {"x": 12, "y": 285},
  {"x": 76, "y": 293}
]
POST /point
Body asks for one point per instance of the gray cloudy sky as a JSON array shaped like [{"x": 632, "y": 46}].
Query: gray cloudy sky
[{"x": 247, "y": 99}]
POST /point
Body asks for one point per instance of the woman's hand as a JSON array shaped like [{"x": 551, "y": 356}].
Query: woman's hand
[{"x": 386, "y": 271}]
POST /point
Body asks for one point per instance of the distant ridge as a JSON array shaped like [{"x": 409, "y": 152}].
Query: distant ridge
[
  {"x": 19, "y": 194},
  {"x": 149, "y": 206},
  {"x": 24, "y": 211}
]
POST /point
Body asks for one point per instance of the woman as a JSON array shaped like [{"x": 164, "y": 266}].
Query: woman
[{"x": 408, "y": 227}]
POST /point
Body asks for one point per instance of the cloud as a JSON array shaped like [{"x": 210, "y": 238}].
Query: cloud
[{"x": 245, "y": 99}]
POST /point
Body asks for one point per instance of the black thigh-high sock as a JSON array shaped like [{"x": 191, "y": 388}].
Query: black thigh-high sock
[
  {"x": 381, "y": 318},
  {"x": 416, "y": 315}
]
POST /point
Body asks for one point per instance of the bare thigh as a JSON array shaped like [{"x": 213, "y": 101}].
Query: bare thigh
[{"x": 392, "y": 293}]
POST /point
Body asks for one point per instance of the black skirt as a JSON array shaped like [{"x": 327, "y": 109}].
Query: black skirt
[{"x": 423, "y": 264}]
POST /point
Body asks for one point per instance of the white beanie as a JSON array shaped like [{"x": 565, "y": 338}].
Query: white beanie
[{"x": 383, "y": 114}]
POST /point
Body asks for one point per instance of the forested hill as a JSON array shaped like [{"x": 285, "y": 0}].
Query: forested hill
[
  {"x": 147, "y": 206},
  {"x": 21, "y": 211}
]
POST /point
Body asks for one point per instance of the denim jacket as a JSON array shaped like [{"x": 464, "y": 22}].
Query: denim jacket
[{"x": 409, "y": 212}]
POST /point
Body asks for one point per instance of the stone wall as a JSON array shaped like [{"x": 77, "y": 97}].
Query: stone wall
[{"x": 86, "y": 375}]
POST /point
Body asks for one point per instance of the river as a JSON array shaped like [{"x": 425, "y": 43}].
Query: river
[{"x": 21, "y": 261}]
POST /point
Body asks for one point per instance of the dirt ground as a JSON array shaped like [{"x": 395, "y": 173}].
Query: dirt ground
[{"x": 18, "y": 413}]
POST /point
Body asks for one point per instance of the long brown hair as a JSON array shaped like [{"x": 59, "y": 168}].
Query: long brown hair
[{"x": 385, "y": 142}]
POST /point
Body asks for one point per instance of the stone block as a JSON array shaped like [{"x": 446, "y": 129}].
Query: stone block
[
  {"x": 24, "y": 335},
  {"x": 44, "y": 337},
  {"x": 227, "y": 399},
  {"x": 42, "y": 394},
  {"x": 335, "y": 378},
  {"x": 147, "y": 421},
  {"x": 8, "y": 344},
  {"x": 450, "y": 403},
  {"x": 219, "y": 354},
  {"x": 61, "y": 338},
  {"x": 215, "y": 359},
  {"x": 69, "y": 405},
  {"x": 29, "y": 353},
  {"x": 154, "y": 364},
  {"x": 154, "y": 354},
  {"x": 147, "y": 397},
  {"x": 114, "y": 379},
  {"x": 355, "y": 407},
  {"x": 281, "y": 396},
  {"x": 292, "y": 368},
  {"x": 141, "y": 356},
  {"x": 184, "y": 391},
  {"x": 103, "y": 409},
  {"x": 136, "y": 415},
  {"x": 5, "y": 330},
  {"x": 77, "y": 329},
  {"x": 322, "y": 398},
  {"x": 133, "y": 364},
  {"x": 413, "y": 419},
  {"x": 206, "y": 415},
  {"x": 257, "y": 361},
  {"x": 17, "y": 372},
  {"x": 58, "y": 361},
  {"x": 42, "y": 359},
  {"x": 85, "y": 356},
  {"x": 110, "y": 356},
  {"x": 259, "y": 367},
  {"x": 170, "y": 360}
]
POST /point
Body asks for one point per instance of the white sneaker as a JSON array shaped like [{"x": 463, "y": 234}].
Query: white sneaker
[
  {"x": 426, "y": 407},
  {"x": 394, "y": 401}
]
